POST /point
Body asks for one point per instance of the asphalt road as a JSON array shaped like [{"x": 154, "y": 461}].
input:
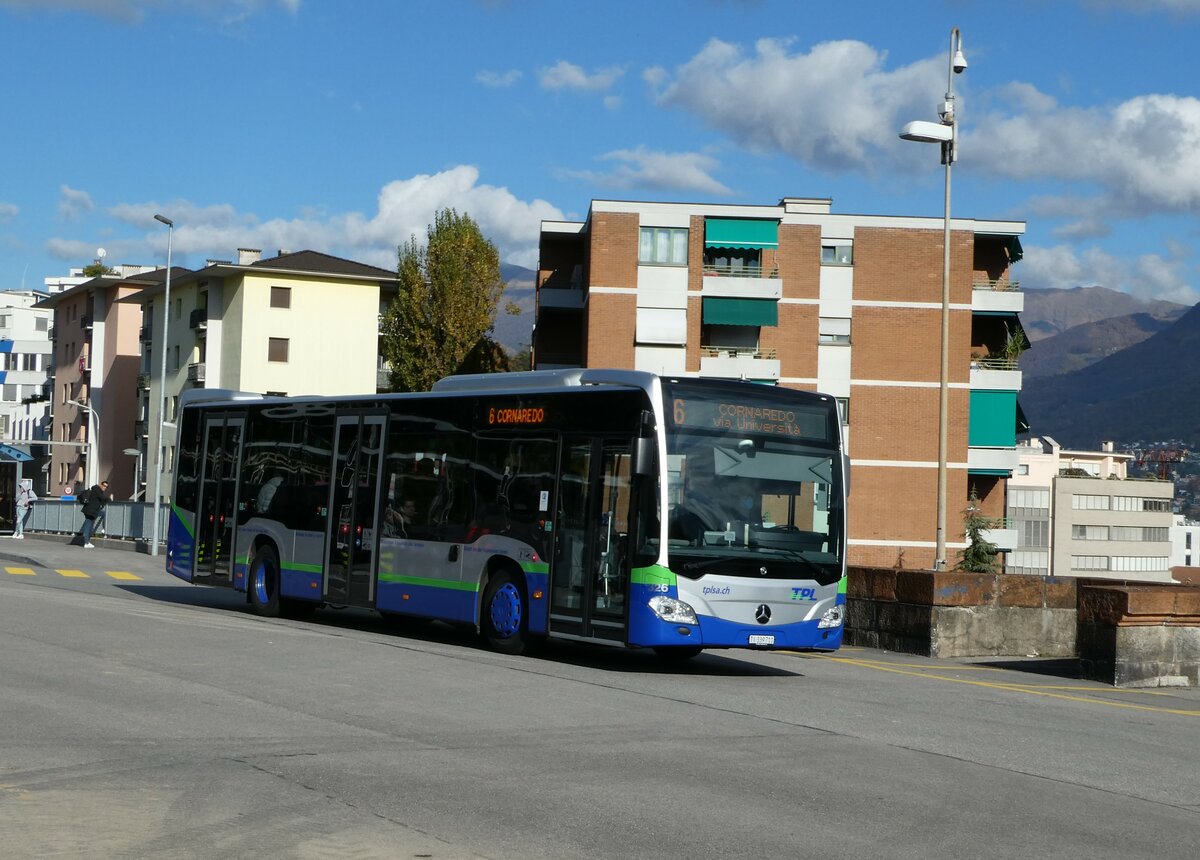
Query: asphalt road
[{"x": 143, "y": 717}]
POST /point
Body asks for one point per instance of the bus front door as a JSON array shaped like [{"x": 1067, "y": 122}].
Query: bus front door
[
  {"x": 351, "y": 541},
  {"x": 590, "y": 568},
  {"x": 217, "y": 504}
]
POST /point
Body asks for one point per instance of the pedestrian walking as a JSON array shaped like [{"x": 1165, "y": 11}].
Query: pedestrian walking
[
  {"x": 93, "y": 502},
  {"x": 25, "y": 499}
]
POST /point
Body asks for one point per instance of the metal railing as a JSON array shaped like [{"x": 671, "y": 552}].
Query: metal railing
[
  {"x": 123, "y": 520},
  {"x": 736, "y": 352},
  {"x": 998, "y": 286},
  {"x": 195, "y": 372},
  {"x": 995, "y": 362},
  {"x": 740, "y": 271}
]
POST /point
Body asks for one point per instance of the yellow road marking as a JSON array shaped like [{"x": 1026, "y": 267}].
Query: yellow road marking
[
  {"x": 123, "y": 575},
  {"x": 74, "y": 574},
  {"x": 21, "y": 571},
  {"x": 1030, "y": 689}
]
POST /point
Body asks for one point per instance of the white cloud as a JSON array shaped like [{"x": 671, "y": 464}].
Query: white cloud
[
  {"x": 663, "y": 171},
  {"x": 73, "y": 203},
  {"x": 498, "y": 80},
  {"x": 836, "y": 107},
  {"x": 8, "y": 211},
  {"x": 404, "y": 208},
  {"x": 568, "y": 76},
  {"x": 1150, "y": 276}
]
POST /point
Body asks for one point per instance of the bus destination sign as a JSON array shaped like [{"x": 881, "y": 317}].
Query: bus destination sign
[
  {"x": 750, "y": 418},
  {"x": 516, "y": 416}
]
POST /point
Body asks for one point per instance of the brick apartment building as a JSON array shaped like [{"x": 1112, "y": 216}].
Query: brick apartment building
[{"x": 797, "y": 295}]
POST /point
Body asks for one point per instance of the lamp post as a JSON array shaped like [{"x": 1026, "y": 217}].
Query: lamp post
[
  {"x": 162, "y": 389},
  {"x": 93, "y": 420},
  {"x": 945, "y": 133},
  {"x": 137, "y": 469}
]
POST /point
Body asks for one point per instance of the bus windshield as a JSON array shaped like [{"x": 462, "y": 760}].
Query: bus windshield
[{"x": 754, "y": 484}]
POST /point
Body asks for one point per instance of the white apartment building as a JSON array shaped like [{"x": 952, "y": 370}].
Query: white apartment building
[
  {"x": 1185, "y": 542},
  {"x": 1077, "y": 513}
]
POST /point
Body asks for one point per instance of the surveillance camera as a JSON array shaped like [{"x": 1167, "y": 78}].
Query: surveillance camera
[{"x": 959, "y": 63}]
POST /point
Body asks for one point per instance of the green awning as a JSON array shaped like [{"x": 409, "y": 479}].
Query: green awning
[
  {"x": 1015, "y": 251},
  {"x": 999, "y": 473},
  {"x": 1022, "y": 421},
  {"x": 993, "y": 419},
  {"x": 741, "y": 311},
  {"x": 740, "y": 233}
]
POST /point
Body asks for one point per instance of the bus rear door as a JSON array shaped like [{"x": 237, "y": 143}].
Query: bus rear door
[
  {"x": 217, "y": 503},
  {"x": 352, "y": 536},
  {"x": 590, "y": 569}
]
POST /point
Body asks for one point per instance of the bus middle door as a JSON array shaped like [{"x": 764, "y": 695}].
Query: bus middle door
[
  {"x": 352, "y": 538},
  {"x": 217, "y": 503},
  {"x": 590, "y": 569}
]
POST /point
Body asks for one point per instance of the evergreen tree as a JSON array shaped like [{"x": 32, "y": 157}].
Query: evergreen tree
[{"x": 980, "y": 554}]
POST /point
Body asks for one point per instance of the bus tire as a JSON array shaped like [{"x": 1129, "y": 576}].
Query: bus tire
[
  {"x": 504, "y": 615},
  {"x": 677, "y": 653},
  {"x": 263, "y": 584}
]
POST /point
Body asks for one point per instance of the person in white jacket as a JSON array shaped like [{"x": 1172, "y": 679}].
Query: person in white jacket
[{"x": 25, "y": 499}]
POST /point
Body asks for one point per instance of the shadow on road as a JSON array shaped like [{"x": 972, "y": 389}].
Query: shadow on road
[
  {"x": 1067, "y": 667},
  {"x": 612, "y": 659}
]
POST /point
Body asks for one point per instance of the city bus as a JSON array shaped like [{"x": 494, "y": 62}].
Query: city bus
[{"x": 606, "y": 506}]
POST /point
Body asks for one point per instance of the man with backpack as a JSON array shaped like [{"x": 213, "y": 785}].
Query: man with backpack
[{"x": 93, "y": 502}]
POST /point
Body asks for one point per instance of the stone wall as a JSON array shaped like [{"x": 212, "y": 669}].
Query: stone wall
[
  {"x": 952, "y": 614},
  {"x": 1140, "y": 635}
]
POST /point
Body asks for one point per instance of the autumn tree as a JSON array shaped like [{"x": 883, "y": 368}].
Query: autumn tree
[{"x": 445, "y": 306}]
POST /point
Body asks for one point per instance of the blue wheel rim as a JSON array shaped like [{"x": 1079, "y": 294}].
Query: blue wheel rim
[
  {"x": 260, "y": 584},
  {"x": 505, "y": 611}
]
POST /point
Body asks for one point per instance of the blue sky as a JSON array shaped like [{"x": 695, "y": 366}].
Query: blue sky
[{"x": 343, "y": 126}]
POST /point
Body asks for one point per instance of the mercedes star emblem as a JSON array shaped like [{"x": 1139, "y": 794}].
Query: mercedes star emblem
[
  {"x": 763, "y": 614},
  {"x": 762, "y": 571}
]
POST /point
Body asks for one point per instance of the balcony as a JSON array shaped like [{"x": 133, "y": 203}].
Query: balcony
[
  {"x": 139, "y": 428},
  {"x": 997, "y": 297},
  {"x": 85, "y": 363},
  {"x": 1002, "y": 534},
  {"x": 143, "y": 381},
  {"x": 742, "y": 282},
  {"x": 198, "y": 321},
  {"x": 995, "y": 373},
  {"x": 563, "y": 291},
  {"x": 735, "y": 362},
  {"x": 86, "y": 322},
  {"x": 195, "y": 372},
  {"x": 52, "y": 333}
]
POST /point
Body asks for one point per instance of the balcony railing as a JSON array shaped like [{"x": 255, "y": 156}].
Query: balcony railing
[
  {"x": 740, "y": 271},
  {"x": 199, "y": 319},
  {"x": 995, "y": 362},
  {"x": 998, "y": 286},
  {"x": 196, "y": 372},
  {"x": 143, "y": 380},
  {"x": 736, "y": 352},
  {"x": 86, "y": 322}
]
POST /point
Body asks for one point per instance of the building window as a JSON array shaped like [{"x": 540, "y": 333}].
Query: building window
[
  {"x": 1033, "y": 532},
  {"x": 1019, "y": 498},
  {"x": 834, "y": 330},
  {"x": 10, "y": 392},
  {"x": 843, "y": 407},
  {"x": 179, "y": 309},
  {"x": 1140, "y": 564},
  {"x": 1089, "y": 532},
  {"x": 1140, "y": 533},
  {"x": 40, "y": 324},
  {"x": 1089, "y": 562},
  {"x": 281, "y": 297},
  {"x": 837, "y": 253},
  {"x": 176, "y": 365},
  {"x": 4, "y": 320},
  {"x": 277, "y": 349},
  {"x": 1187, "y": 540},
  {"x": 1023, "y": 469},
  {"x": 1080, "y": 502},
  {"x": 665, "y": 246}
]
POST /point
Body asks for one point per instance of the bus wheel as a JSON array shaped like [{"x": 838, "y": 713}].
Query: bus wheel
[
  {"x": 677, "y": 653},
  {"x": 264, "y": 583},
  {"x": 504, "y": 622}
]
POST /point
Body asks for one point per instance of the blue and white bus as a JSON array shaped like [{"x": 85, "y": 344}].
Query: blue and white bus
[{"x": 607, "y": 506}]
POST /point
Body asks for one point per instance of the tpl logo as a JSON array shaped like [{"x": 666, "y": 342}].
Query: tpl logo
[{"x": 804, "y": 594}]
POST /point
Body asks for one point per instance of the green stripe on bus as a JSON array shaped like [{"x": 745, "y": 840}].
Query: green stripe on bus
[
  {"x": 655, "y": 574},
  {"x": 183, "y": 521},
  {"x": 432, "y": 583},
  {"x": 535, "y": 567},
  {"x": 842, "y": 584}
]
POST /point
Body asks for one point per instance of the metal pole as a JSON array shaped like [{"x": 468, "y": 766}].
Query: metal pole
[{"x": 162, "y": 390}]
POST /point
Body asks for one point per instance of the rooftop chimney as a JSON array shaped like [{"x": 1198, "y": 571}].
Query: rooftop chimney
[{"x": 246, "y": 256}]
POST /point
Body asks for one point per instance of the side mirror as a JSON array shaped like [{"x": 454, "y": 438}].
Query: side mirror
[{"x": 643, "y": 456}]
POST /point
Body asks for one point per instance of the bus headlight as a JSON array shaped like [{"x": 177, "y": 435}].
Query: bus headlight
[
  {"x": 672, "y": 610},
  {"x": 833, "y": 617}
]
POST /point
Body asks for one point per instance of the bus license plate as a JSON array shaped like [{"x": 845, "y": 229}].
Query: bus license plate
[{"x": 761, "y": 639}]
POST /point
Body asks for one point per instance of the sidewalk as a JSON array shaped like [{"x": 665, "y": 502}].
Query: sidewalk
[{"x": 58, "y": 551}]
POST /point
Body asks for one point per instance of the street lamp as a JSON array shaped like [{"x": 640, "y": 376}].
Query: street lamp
[
  {"x": 93, "y": 420},
  {"x": 162, "y": 389},
  {"x": 137, "y": 469},
  {"x": 946, "y": 134}
]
